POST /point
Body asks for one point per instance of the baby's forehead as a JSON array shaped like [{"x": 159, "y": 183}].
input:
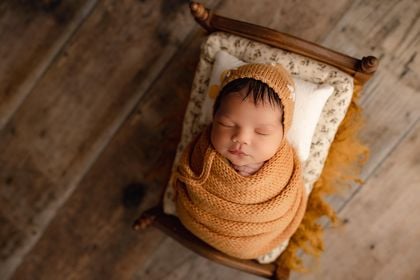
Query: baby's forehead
[
  {"x": 248, "y": 110},
  {"x": 246, "y": 99}
]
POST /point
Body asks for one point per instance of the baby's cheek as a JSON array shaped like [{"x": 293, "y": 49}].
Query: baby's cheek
[
  {"x": 217, "y": 139},
  {"x": 270, "y": 148}
]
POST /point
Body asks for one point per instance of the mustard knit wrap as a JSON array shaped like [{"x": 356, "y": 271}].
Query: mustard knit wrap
[{"x": 244, "y": 217}]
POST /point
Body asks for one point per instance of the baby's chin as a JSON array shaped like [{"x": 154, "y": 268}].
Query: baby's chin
[{"x": 239, "y": 161}]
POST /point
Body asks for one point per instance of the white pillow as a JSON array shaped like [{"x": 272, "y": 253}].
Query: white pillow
[{"x": 309, "y": 102}]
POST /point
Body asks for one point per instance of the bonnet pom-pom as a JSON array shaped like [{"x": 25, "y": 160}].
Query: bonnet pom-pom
[{"x": 292, "y": 92}]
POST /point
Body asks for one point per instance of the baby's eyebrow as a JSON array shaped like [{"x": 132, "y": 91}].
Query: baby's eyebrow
[{"x": 224, "y": 116}]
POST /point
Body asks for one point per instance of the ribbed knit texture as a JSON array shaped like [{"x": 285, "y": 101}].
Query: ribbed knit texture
[
  {"x": 244, "y": 217},
  {"x": 276, "y": 77}
]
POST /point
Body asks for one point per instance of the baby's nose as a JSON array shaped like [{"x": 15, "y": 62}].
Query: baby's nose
[{"x": 241, "y": 137}]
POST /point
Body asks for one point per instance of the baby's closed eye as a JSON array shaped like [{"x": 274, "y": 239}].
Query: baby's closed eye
[
  {"x": 225, "y": 124},
  {"x": 263, "y": 132}
]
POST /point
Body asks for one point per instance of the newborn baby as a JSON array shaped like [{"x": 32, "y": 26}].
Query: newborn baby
[
  {"x": 238, "y": 184},
  {"x": 247, "y": 127}
]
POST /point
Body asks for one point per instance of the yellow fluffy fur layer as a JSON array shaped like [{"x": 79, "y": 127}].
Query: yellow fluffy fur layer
[{"x": 345, "y": 159}]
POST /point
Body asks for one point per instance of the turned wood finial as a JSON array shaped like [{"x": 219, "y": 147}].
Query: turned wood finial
[
  {"x": 199, "y": 12},
  {"x": 369, "y": 64},
  {"x": 201, "y": 15},
  {"x": 143, "y": 222}
]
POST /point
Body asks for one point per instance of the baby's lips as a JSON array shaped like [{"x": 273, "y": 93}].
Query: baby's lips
[
  {"x": 236, "y": 148},
  {"x": 237, "y": 152}
]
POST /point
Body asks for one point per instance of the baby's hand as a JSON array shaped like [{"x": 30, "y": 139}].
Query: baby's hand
[{"x": 249, "y": 169}]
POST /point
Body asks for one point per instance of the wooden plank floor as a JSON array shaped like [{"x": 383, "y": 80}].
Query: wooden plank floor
[{"x": 91, "y": 105}]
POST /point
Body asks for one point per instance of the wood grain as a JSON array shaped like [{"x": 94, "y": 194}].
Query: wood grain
[
  {"x": 360, "y": 69},
  {"x": 196, "y": 267},
  {"x": 390, "y": 101},
  {"x": 380, "y": 240},
  {"x": 140, "y": 154},
  {"x": 32, "y": 35},
  {"x": 70, "y": 116}
]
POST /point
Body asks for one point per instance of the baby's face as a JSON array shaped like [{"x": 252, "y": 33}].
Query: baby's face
[{"x": 246, "y": 133}]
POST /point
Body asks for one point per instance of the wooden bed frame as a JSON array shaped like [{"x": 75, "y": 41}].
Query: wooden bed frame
[{"x": 361, "y": 69}]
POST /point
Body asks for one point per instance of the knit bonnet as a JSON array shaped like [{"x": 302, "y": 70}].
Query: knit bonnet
[{"x": 276, "y": 77}]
